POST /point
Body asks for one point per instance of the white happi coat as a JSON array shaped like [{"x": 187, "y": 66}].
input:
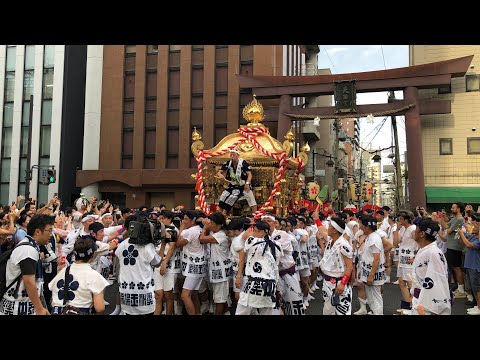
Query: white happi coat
[
  {"x": 259, "y": 290},
  {"x": 430, "y": 281},
  {"x": 332, "y": 264},
  {"x": 373, "y": 243},
  {"x": 288, "y": 284}
]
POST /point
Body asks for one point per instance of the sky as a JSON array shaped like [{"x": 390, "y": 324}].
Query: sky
[{"x": 360, "y": 58}]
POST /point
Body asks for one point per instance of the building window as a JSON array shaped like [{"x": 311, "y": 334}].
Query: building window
[
  {"x": 221, "y": 116},
  {"x": 197, "y": 81},
  {"x": 29, "y": 57},
  {"x": 446, "y": 147},
  {"x": 174, "y": 60},
  {"x": 45, "y": 133},
  {"x": 129, "y": 87},
  {"x": 197, "y": 57},
  {"x": 246, "y": 53},
  {"x": 127, "y": 149},
  {"x": 6, "y": 142},
  {"x": 246, "y": 69},
  {"x": 174, "y": 47},
  {"x": 152, "y": 60},
  {"x": 220, "y": 132},
  {"x": 28, "y": 84},
  {"x": 172, "y": 148},
  {"x": 150, "y": 145},
  {"x": 197, "y": 102},
  {"x": 130, "y": 63},
  {"x": 472, "y": 82},
  {"x": 11, "y": 58},
  {"x": 9, "y": 86},
  {"x": 151, "y": 90},
  {"x": 46, "y": 112},
  {"x": 8, "y": 115},
  {"x": 221, "y": 101},
  {"x": 48, "y": 83},
  {"x": 152, "y": 49},
  {"x": 473, "y": 145},
  {"x": 150, "y": 119},
  {"x": 221, "y": 79},
  {"x": 151, "y": 104},
  {"x": 4, "y": 181},
  {"x": 173, "y": 103},
  {"x": 172, "y": 119},
  {"x": 49, "y": 56},
  {"x": 174, "y": 83},
  {"x": 130, "y": 49},
  {"x": 221, "y": 55},
  {"x": 128, "y": 105},
  {"x": 128, "y": 118},
  {"x": 197, "y": 47},
  {"x": 445, "y": 89}
]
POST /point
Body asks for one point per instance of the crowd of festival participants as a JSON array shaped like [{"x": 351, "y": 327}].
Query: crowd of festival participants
[{"x": 64, "y": 258}]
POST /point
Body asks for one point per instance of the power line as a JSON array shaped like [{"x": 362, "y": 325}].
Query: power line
[
  {"x": 383, "y": 56},
  {"x": 331, "y": 62},
  {"x": 380, "y": 127},
  {"x": 375, "y": 128}
]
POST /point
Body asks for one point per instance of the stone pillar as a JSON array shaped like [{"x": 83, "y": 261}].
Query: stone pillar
[
  {"x": 284, "y": 122},
  {"x": 414, "y": 159}
]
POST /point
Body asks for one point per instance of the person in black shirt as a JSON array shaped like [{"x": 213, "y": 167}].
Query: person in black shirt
[{"x": 237, "y": 172}]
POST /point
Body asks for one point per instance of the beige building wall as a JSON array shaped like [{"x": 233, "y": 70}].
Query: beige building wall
[{"x": 460, "y": 168}]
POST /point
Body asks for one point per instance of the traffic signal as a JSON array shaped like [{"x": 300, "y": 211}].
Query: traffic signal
[
  {"x": 51, "y": 176},
  {"x": 47, "y": 176}
]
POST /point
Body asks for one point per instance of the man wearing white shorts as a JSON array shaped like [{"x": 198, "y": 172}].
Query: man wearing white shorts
[
  {"x": 194, "y": 265},
  {"x": 166, "y": 276},
  {"x": 219, "y": 264}
]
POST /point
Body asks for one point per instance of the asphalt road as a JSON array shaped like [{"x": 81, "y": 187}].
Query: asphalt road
[{"x": 391, "y": 301}]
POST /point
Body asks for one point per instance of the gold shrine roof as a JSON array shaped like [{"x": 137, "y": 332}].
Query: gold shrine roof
[
  {"x": 247, "y": 150},
  {"x": 253, "y": 112}
]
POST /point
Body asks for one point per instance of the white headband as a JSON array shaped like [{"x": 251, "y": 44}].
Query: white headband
[
  {"x": 337, "y": 227},
  {"x": 106, "y": 214},
  {"x": 88, "y": 217},
  {"x": 268, "y": 217}
]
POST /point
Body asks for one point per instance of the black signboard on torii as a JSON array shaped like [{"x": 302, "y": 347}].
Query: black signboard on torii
[{"x": 345, "y": 97}]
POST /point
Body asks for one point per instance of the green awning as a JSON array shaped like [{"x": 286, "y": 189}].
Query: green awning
[{"x": 451, "y": 194}]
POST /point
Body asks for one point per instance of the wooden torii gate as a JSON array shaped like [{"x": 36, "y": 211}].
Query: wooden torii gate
[{"x": 409, "y": 79}]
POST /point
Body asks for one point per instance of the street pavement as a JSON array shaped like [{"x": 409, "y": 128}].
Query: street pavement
[{"x": 391, "y": 300}]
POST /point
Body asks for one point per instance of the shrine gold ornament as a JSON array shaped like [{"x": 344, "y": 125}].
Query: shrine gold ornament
[{"x": 275, "y": 172}]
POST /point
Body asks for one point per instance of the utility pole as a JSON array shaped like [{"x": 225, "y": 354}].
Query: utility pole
[
  {"x": 335, "y": 156},
  {"x": 398, "y": 171},
  {"x": 28, "y": 172}
]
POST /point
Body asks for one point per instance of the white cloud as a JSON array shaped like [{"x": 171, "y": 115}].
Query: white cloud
[
  {"x": 334, "y": 51},
  {"x": 371, "y": 50}
]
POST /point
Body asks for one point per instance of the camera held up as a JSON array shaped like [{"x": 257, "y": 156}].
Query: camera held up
[{"x": 144, "y": 231}]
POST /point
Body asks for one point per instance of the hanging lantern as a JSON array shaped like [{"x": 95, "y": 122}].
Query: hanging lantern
[
  {"x": 330, "y": 163},
  {"x": 377, "y": 158}
]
